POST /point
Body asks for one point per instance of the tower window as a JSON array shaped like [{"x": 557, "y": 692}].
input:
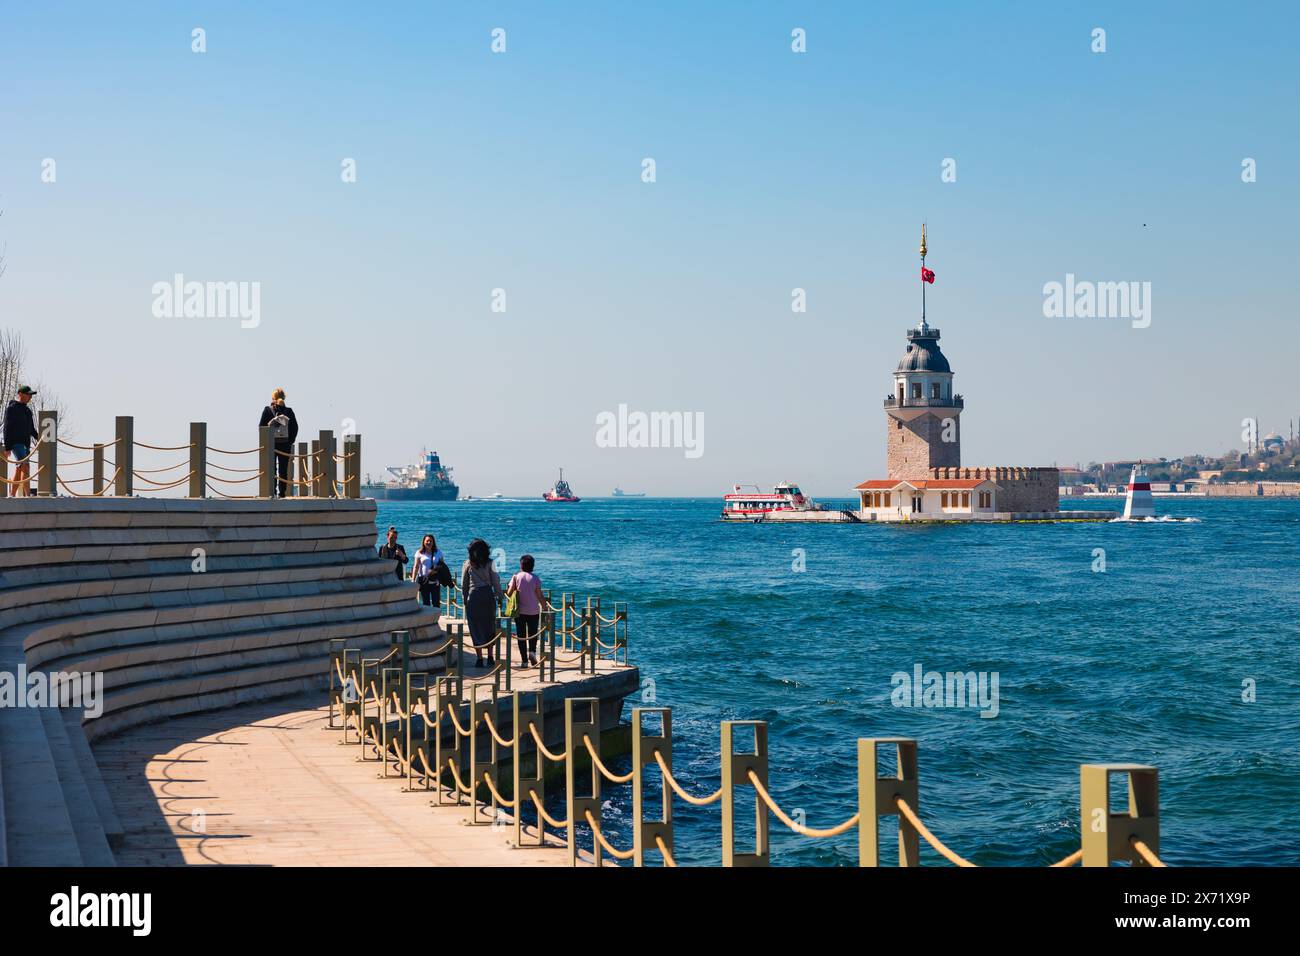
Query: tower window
[
  {"x": 916, "y": 389},
  {"x": 934, "y": 390}
]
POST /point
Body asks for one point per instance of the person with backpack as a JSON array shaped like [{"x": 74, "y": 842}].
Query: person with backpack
[
  {"x": 528, "y": 610},
  {"x": 284, "y": 431},
  {"x": 428, "y": 571},
  {"x": 480, "y": 586},
  {"x": 19, "y": 438}
]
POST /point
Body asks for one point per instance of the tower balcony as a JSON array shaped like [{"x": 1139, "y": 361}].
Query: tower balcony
[{"x": 892, "y": 403}]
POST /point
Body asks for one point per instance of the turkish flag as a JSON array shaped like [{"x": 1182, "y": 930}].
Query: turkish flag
[{"x": 927, "y": 275}]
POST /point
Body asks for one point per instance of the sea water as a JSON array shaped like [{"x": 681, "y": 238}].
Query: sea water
[{"x": 1165, "y": 643}]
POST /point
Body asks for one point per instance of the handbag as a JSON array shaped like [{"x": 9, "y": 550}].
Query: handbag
[{"x": 512, "y": 604}]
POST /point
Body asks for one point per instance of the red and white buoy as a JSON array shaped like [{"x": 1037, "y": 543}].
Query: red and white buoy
[{"x": 1139, "y": 503}]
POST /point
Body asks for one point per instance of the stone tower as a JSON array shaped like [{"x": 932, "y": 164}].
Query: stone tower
[{"x": 924, "y": 416}]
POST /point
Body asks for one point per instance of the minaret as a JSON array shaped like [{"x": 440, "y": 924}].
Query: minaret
[{"x": 923, "y": 413}]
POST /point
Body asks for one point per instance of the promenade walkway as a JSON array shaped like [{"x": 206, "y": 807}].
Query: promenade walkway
[{"x": 265, "y": 785}]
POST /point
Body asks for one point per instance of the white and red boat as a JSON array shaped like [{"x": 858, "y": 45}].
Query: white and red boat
[
  {"x": 746, "y": 505},
  {"x": 561, "y": 492}
]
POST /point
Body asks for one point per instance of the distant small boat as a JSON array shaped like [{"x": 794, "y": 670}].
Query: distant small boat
[
  {"x": 620, "y": 493},
  {"x": 561, "y": 492},
  {"x": 498, "y": 495},
  {"x": 755, "y": 505}
]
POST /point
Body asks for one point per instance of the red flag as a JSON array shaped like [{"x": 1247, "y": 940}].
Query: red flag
[{"x": 927, "y": 275}]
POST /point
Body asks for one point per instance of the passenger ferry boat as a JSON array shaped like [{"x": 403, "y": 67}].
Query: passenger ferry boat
[
  {"x": 561, "y": 492},
  {"x": 743, "y": 505}
]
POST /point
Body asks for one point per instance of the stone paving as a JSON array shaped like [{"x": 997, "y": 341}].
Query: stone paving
[{"x": 266, "y": 785}]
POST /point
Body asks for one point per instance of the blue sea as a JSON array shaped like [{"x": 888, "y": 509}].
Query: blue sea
[{"x": 1182, "y": 653}]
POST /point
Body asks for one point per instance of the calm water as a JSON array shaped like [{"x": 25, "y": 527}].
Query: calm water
[{"x": 1143, "y": 663}]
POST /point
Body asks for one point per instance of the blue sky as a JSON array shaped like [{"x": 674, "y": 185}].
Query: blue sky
[{"x": 775, "y": 171}]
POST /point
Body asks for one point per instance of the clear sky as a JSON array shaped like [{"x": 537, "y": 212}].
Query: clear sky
[{"x": 775, "y": 170}]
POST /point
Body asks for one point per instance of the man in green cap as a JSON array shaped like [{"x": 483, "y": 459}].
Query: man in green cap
[{"x": 19, "y": 434}]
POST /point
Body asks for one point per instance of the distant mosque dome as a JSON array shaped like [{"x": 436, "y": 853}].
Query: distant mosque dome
[
  {"x": 923, "y": 354},
  {"x": 1273, "y": 438}
]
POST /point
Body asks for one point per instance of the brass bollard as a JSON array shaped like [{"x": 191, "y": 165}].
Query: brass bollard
[
  {"x": 533, "y": 784},
  {"x": 644, "y": 748},
  {"x": 578, "y": 805},
  {"x": 417, "y": 695},
  {"x": 876, "y": 799},
  {"x": 478, "y": 710},
  {"x": 1107, "y": 837},
  {"x": 446, "y": 696},
  {"x": 735, "y": 773},
  {"x": 266, "y": 462}
]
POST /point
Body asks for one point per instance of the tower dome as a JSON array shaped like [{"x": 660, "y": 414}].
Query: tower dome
[{"x": 923, "y": 353}]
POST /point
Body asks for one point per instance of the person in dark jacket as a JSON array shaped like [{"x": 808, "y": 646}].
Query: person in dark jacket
[
  {"x": 396, "y": 553},
  {"x": 285, "y": 424},
  {"x": 20, "y": 435}
]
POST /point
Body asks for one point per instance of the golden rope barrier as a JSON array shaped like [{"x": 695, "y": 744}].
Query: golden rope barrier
[
  {"x": 222, "y": 451},
  {"x": 221, "y": 494},
  {"x": 238, "y": 481},
  {"x": 155, "y": 471},
  {"x": 1070, "y": 860},
  {"x": 930, "y": 838},
  {"x": 19, "y": 481},
  {"x": 455, "y": 775},
  {"x": 165, "y": 447},
  {"x": 451, "y": 712},
  {"x": 492, "y": 729},
  {"x": 73, "y": 464},
  {"x": 663, "y": 849},
  {"x": 608, "y": 847},
  {"x": 245, "y": 471},
  {"x": 557, "y": 758},
  {"x": 798, "y": 828},
  {"x": 541, "y": 812},
  {"x": 163, "y": 486},
  {"x": 595, "y": 759},
  {"x": 72, "y": 444},
  {"x": 1144, "y": 851},
  {"x": 496, "y": 794},
  {"x": 677, "y": 788}
]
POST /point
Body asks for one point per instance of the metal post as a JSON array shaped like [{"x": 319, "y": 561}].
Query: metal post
[
  {"x": 266, "y": 460},
  {"x": 644, "y": 748},
  {"x": 301, "y": 487},
  {"x": 352, "y": 466},
  {"x": 417, "y": 693},
  {"x": 1106, "y": 836},
  {"x": 4, "y": 474},
  {"x": 124, "y": 456},
  {"x": 317, "y": 475},
  {"x": 736, "y": 768},
  {"x": 198, "y": 459},
  {"x": 328, "y": 466},
  {"x": 478, "y": 713},
  {"x": 402, "y": 639},
  {"x": 876, "y": 796},
  {"x": 97, "y": 469},
  {"x": 533, "y": 784},
  {"x": 47, "y": 427},
  {"x": 579, "y": 804}
]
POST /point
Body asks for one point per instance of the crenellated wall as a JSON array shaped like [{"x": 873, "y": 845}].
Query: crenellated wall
[{"x": 1019, "y": 489}]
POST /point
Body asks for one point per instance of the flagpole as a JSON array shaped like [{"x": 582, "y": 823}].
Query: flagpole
[{"x": 923, "y": 277}]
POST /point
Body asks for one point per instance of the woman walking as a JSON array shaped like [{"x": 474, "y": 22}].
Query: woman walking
[
  {"x": 425, "y": 571},
  {"x": 480, "y": 587},
  {"x": 529, "y": 588}
]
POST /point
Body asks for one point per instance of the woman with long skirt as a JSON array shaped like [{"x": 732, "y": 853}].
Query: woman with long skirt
[{"x": 480, "y": 586}]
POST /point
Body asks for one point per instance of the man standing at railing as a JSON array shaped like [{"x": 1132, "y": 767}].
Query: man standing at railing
[
  {"x": 19, "y": 434},
  {"x": 391, "y": 549}
]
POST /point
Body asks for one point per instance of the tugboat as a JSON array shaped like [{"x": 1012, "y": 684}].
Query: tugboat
[
  {"x": 754, "y": 505},
  {"x": 561, "y": 492},
  {"x": 415, "y": 482}
]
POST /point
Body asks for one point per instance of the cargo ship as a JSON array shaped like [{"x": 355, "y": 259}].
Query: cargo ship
[
  {"x": 427, "y": 481},
  {"x": 620, "y": 493}
]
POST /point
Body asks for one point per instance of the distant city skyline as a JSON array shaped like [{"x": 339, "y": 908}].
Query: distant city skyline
[{"x": 380, "y": 190}]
